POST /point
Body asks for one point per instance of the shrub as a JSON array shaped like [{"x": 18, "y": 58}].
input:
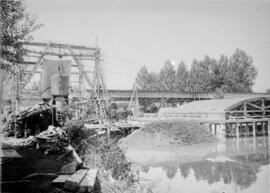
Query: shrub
[{"x": 182, "y": 132}]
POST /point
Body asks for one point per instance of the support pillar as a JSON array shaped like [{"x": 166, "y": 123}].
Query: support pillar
[
  {"x": 237, "y": 130},
  {"x": 254, "y": 143},
  {"x": 263, "y": 128},
  {"x": 246, "y": 124},
  {"x": 268, "y": 128},
  {"x": 254, "y": 128}
]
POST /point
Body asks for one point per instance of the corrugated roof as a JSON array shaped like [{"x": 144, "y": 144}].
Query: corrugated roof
[{"x": 205, "y": 106}]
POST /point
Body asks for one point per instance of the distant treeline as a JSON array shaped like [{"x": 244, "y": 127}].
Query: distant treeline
[{"x": 234, "y": 73}]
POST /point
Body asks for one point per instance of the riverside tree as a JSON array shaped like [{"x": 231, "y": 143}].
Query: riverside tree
[
  {"x": 182, "y": 77},
  {"x": 167, "y": 76},
  {"x": 227, "y": 74}
]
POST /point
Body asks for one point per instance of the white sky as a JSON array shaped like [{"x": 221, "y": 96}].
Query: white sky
[{"x": 133, "y": 33}]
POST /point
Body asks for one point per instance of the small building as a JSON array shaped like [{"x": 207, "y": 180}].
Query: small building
[{"x": 232, "y": 117}]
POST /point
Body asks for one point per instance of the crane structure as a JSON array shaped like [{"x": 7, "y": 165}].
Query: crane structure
[{"x": 91, "y": 90}]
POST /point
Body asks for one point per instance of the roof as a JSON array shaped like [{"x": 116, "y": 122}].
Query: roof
[{"x": 208, "y": 106}]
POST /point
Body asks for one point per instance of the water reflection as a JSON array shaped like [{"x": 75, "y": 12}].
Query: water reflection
[
  {"x": 229, "y": 172},
  {"x": 235, "y": 168}
]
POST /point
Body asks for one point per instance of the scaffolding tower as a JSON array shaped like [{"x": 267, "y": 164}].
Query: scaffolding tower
[
  {"x": 134, "y": 102},
  {"x": 93, "y": 92}
]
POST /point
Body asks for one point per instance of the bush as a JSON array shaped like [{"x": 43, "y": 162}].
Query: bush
[
  {"x": 108, "y": 156},
  {"x": 181, "y": 132}
]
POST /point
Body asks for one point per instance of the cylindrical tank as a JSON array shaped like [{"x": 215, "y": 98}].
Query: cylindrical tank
[
  {"x": 51, "y": 67},
  {"x": 60, "y": 85}
]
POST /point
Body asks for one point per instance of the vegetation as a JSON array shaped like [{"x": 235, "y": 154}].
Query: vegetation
[
  {"x": 181, "y": 132},
  {"x": 227, "y": 74},
  {"x": 115, "y": 113},
  {"x": 16, "y": 26},
  {"x": 103, "y": 154}
]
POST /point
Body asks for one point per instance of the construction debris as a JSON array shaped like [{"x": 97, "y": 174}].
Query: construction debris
[
  {"x": 54, "y": 140},
  {"x": 30, "y": 121}
]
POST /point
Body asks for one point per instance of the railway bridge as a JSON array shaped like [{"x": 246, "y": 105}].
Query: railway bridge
[{"x": 176, "y": 96}]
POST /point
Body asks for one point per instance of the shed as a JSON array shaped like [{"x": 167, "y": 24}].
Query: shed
[
  {"x": 220, "y": 109},
  {"x": 226, "y": 117}
]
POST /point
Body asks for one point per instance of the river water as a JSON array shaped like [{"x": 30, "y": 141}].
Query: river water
[{"x": 232, "y": 166}]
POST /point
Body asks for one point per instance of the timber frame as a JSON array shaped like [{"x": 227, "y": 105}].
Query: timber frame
[
  {"x": 36, "y": 51},
  {"x": 256, "y": 108}
]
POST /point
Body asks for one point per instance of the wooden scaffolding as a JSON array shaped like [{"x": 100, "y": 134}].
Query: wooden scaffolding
[{"x": 81, "y": 56}]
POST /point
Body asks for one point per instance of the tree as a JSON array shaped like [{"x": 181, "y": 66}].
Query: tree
[
  {"x": 182, "y": 77},
  {"x": 200, "y": 76},
  {"x": 228, "y": 74},
  {"x": 17, "y": 25},
  {"x": 218, "y": 75},
  {"x": 241, "y": 74},
  {"x": 142, "y": 78},
  {"x": 154, "y": 82},
  {"x": 147, "y": 80},
  {"x": 167, "y": 77}
]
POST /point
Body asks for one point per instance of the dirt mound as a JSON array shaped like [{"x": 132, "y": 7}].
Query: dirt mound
[{"x": 167, "y": 133}]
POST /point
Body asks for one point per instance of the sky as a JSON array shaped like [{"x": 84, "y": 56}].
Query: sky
[{"x": 133, "y": 33}]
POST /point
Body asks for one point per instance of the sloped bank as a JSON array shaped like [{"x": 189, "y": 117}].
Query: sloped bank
[{"x": 169, "y": 140}]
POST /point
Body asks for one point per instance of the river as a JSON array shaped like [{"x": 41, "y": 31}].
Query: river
[{"x": 231, "y": 166}]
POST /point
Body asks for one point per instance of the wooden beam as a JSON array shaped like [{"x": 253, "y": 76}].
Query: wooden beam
[
  {"x": 60, "y": 180},
  {"x": 255, "y": 106},
  {"x": 73, "y": 182},
  {"x": 245, "y": 109},
  {"x": 263, "y": 107},
  {"x": 37, "y": 64},
  {"x": 263, "y": 128},
  {"x": 88, "y": 182},
  {"x": 81, "y": 69},
  {"x": 234, "y": 111},
  {"x": 56, "y": 45},
  {"x": 51, "y": 53}
]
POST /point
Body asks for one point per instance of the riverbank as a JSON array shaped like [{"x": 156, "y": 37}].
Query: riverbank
[{"x": 163, "y": 141}]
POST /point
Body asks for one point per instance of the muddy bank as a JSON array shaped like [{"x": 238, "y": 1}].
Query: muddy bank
[{"x": 164, "y": 141}]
